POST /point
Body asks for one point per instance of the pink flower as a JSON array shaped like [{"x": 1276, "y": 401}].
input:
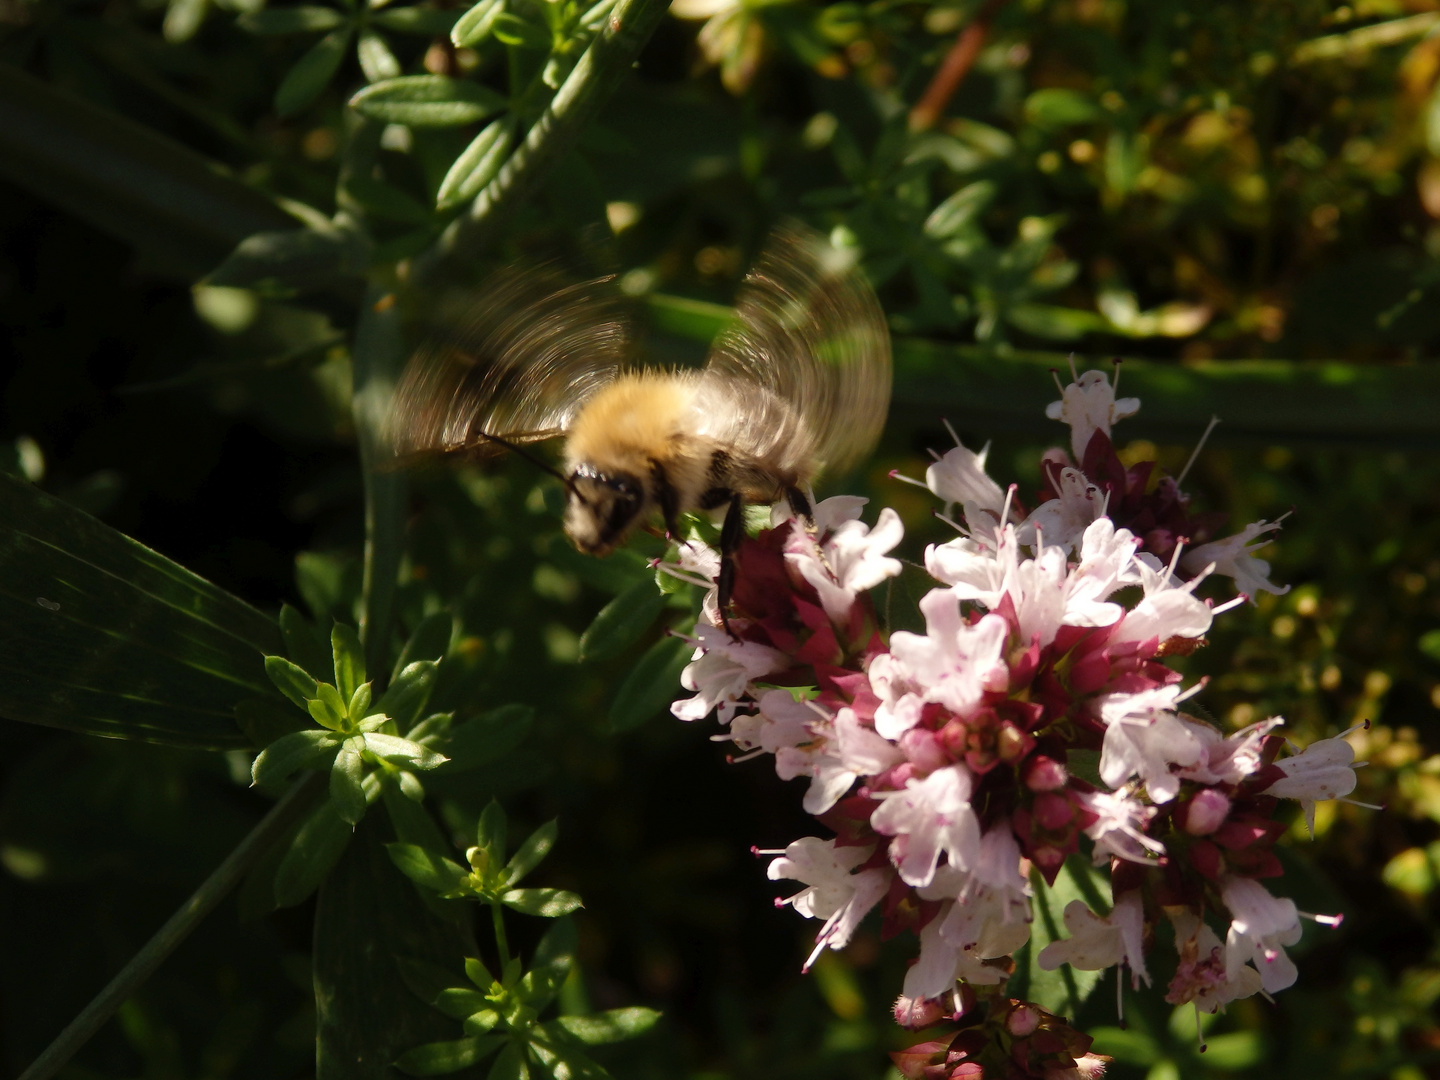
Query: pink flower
[
  {"x": 1144, "y": 737},
  {"x": 1119, "y": 827},
  {"x": 1323, "y": 770},
  {"x": 1201, "y": 975},
  {"x": 952, "y": 664},
  {"x": 849, "y": 559},
  {"x": 834, "y": 893},
  {"x": 1260, "y": 926},
  {"x": 721, "y": 673},
  {"x": 1234, "y": 557},
  {"x": 1096, "y": 943},
  {"x": 928, "y": 817},
  {"x": 1089, "y": 405}
]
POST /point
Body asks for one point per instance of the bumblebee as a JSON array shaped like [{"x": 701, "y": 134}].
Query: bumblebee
[{"x": 797, "y": 382}]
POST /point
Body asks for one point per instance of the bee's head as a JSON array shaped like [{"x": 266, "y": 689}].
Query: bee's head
[{"x": 602, "y": 508}]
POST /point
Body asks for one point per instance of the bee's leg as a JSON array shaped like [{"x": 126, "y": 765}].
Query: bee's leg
[
  {"x": 800, "y": 507},
  {"x": 731, "y": 534},
  {"x": 668, "y": 499}
]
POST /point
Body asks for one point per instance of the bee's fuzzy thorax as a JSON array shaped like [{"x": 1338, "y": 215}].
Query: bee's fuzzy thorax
[{"x": 641, "y": 417}]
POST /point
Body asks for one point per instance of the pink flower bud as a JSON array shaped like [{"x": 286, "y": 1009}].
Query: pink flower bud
[
  {"x": 1206, "y": 812},
  {"x": 916, "y": 1013},
  {"x": 1053, "y": 812},
  {"x": 1045, "y": 774},
  {"x": 1023, "y": 1020},
  {"x": 924, "y": 749}
]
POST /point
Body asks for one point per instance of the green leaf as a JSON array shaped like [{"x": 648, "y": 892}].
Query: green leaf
[
  {"x": 562, "y": 1057},
  {"x": 510, "y": 1065},
  {"x": 460, "y": 1003},
  {"x": 346, "y": 783},
  {"x": 427, "y": 101},
  {"x": 400, "y": 751},
  {"x": 294, "y": 259},
  {"x": 546, "y": 903},
  {"x": 303, "y": 643},
  {"x": 327, "y": 707},
  {"x": 488, "y": 737},
  {"x": 317, "y": 847},
  {"x": 1057, "y": 108},
  {"x": 291, "y": 680},
  {"x": 290, "y": 753},
  {"x": 653, "y": 683},
  {"x": 1065, "y": 989},
  {"x": 427, "y": 980},
  {"x": 372, "y": 933},
  {"x": 475, "y": 25},
  {"x": 405, "y": 700},
  {"x": 481, "y": 1021},
  {"x": 349, "y": 658},
  {"x": 425, "y": 868},
  {"x": 477, "y": 165},
  {"x": 437, "y": 1059},
  {"x": 530, "y": 854},
  {"x": 358, "y": 707},
  {"x": 411, "y": 820},
  {"x": 430, "y": 641},
  {"x": 613, "y": 1025},
  {"x": 289, "y": 20},
  {"x": 1056, "y": 323},
  {"x": 622, "y": 621},
  {"x": 312, "y": 72},
  {"x": 105, "y": 637},
  {"x": 959, "y": 210},
  {"x": 490, "y": 832},
  {"x": 511, "y": 29},
  {"x": 415, "y": 20},
  {"x": 478, "y": 974},
  {"x": 376, "y": 59}
]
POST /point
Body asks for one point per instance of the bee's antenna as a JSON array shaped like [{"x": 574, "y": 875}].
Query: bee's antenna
[{"x": 543, "y": 466}]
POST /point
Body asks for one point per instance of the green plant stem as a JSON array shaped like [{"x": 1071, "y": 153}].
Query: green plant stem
[
  {"x": 502, "y": 943},
  {"x": 595, "y": 77},
  {"x": 378, "y": 357},
  {"x": 189, "y": 915}
]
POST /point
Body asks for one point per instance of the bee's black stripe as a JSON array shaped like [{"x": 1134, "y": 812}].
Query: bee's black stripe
[{"x": 719, "y": 470}]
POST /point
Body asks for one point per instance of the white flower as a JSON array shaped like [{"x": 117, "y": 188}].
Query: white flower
[
  {"x": 928, "y": 817},
  {"x": 721, "y": 673},
  {"x": 835, "y": 893},
  {"x": 1260, "y": 926},
  {"x": 1144, "y": 737},
  {"x": 780, "y": 722},
  {"x": 1201, "y": 975},
  {"x": 1169, "y": 608},
  {"x": 1096, "y": 943},
  {"x": 1119, "y": 827},
  {"x": 850, "y": 560},
  {"x": 1227, "y": 760},
  {"x": 1234, "y": 558},
  {"x": 1062, "y": 520},
  {"x": 960, "y": 477},
  {"x": 942, "y": 961},
  {"x": 1323, "y": 770},
  {"x": 952, "y": 664},
  {"x": 1088, "y": 405},
  {"x": 992, "y": 907},
  {"x": 840, "y": 752}
]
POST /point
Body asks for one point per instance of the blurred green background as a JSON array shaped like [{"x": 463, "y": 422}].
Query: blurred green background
[{"x": 1243, "y": 200}]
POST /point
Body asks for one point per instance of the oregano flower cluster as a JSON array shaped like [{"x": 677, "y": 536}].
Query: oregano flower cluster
[{"x": 1036, "y": 719}]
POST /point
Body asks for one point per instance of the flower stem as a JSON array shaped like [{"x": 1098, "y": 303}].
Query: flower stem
[
  {"x": 189, "y": 915},
  {"x": 596, "y": 75},
  {"x": 378, "y": 357},
  {"x": 502, "y": 943}
]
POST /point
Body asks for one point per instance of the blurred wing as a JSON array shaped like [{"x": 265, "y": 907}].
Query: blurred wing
[
  {"x": 517, "y": 363},
  {"x": 808, "y": 346}
]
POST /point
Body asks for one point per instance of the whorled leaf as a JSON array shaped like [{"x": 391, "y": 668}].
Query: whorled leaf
[{"x": 427, "y": 101}]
